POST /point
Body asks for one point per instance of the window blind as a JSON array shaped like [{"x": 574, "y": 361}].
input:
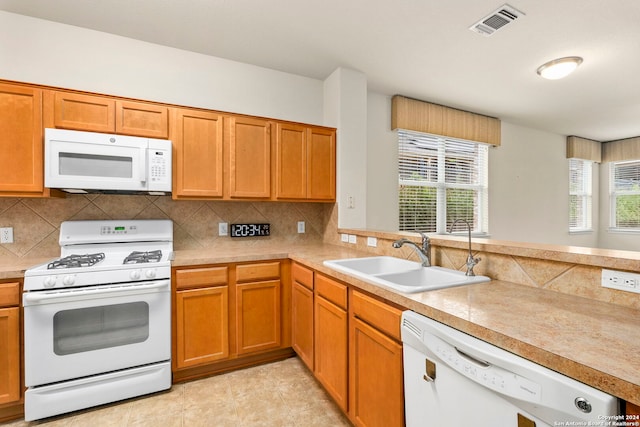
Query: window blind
[
  {"x": 625, "y": 195},
  {"x": 440, "y": 180},
  {"x": 580, "y": 195}
]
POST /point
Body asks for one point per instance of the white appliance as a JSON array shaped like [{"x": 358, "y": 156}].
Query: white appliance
[
  {"x": 97, "y": 321},
  {"x": 82, "y": 162},
  {"x": 453, "y": 379}
]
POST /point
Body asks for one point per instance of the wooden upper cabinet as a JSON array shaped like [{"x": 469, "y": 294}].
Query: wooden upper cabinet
[
  {"x": 321, "y": 164},
  {"x": 94, "y": 113},
  {"x": 142, "y": 119},
  {"x": 291, "y": 159},
  {"x": 21, "y": 141},
  {"x": 197, "y": 137},
  {"x": 249, "y": 148},
  {"x": 305, "y": 162},
  {"x": 84, "y": 112}
]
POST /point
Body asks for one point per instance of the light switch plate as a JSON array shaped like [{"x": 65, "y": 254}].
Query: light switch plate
[
  {"x": 223, "y": 229},
  {"x": 301, "y": 227}
]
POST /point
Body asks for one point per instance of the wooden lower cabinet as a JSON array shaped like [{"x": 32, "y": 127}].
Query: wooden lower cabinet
[
  {"x": 11, "y": 404},
  {"x": 258, "y": 316},
  {"x": 229, "y": 316},
  {"x": 9, "y": 355},
  {"x": 331, "y": 339},
  {"x": 201, "y": 316},
  {"x": 376, "y": 376},
  {"x": 302, "y": 313},
  {"x": 202, "y": 323}
]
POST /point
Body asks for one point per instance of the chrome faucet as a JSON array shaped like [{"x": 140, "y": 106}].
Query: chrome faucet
[
  {"x": 471, "y": 261},
  {"x": 424, "y": 252}
]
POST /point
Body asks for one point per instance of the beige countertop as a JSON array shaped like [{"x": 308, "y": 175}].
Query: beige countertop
[{"x": 594, "y": 342}]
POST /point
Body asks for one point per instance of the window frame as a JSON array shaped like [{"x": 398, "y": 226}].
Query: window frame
[
  {"x": 584, "y": 193},
  {"x": 613, "y": 195},
  {"x": 480, "y": 187}
]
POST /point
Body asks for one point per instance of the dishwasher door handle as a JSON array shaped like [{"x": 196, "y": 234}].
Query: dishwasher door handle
[{"x": 429, "y": 371}]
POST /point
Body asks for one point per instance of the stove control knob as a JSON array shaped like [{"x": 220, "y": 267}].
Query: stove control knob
[
  {"x": 49, "y": 281},
  {"x": 135, "y": 275},
  {"x": 151, "y": 274},
  {"x": 68, "y": 280}
]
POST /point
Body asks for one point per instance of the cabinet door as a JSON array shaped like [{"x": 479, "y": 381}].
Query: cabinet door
[
  {"x": 331, "y": 349},
  {"x": 21, "y": 139},
  {"x": 197, "y": 160},
  {"x": 249, "y": 143},
  {"x": 291, "y": 161},
  {"x": 321, "y": 164},
  {"x": 84, "y": 112},
  {"x": 142, "y": 119},
  {"x": 376, "y": 378},
  {"x": 302, "y": 323},
  {"x": 258, "y": 316},
  {"x": 202, "y": 326},
  {"x": 9, "y": 355}
]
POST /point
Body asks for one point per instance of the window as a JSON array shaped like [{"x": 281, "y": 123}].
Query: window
[
  {"x": 440, "y": 180},
  {"x": 580, "y": 190},
  {"x": 625, "y": 195}
]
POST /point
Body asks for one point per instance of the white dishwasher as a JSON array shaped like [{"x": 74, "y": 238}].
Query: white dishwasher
[{"x": 453, "y": 379}]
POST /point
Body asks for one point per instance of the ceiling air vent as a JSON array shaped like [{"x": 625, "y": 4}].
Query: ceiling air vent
[{"x": 494, "y": 21}]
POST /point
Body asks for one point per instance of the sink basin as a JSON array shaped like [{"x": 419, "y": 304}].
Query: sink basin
[{"x": 403, "y": 275}]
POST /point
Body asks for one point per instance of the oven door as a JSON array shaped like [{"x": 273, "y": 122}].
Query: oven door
[{"x": 72, "y": 333}]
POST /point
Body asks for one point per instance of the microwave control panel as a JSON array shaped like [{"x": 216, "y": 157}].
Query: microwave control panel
[{"x": 160, "y": 164}]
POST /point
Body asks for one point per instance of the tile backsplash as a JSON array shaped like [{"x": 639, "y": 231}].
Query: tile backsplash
[{"x": 36, "y": 222}]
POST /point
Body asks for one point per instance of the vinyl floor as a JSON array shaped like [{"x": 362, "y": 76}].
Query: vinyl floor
[{"x": 282, "y": 393}]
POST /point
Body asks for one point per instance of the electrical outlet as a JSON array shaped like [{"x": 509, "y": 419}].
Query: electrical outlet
[
  {"x": 344, "y": 237},
  {"x": 300, "y": 226},
  {"x": 6, "y": 235},
  {"x": 353, "y": 238},
  {"x": 621, "y": 280},
  {"x": 223, "y": 229},
  {"x": 372, "y": 241}
]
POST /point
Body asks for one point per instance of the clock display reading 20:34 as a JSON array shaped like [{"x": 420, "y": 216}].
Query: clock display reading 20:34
[{"x": 250, "y": 230}]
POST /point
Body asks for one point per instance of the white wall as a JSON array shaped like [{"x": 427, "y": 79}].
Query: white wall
[
  {"x": 529, "y": 188},
  {"x": 382, "y": 162},
  {"x": 345, "y": 97},
  {"x": 44, "y": 52}
]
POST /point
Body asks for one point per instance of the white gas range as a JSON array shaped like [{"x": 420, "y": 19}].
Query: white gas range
[{"x": 98, "y": 319}]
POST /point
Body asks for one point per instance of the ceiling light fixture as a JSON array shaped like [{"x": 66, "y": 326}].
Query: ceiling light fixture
[{"x": 559, "y": 68}]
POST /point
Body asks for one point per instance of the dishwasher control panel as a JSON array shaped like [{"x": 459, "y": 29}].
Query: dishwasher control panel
[{"x": 490, "y": 376}]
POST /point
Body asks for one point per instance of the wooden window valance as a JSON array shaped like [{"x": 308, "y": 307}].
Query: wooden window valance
[
  {"x": 583, "y": 148},
  {"x": 420, "y": 116},
  {"x": 622, "y": 149}
]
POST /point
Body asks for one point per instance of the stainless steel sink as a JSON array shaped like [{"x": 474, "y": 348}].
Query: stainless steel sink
[{"x": 401, "y": 274}]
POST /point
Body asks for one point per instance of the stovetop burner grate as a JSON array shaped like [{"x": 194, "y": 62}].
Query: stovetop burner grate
[
  {"x": 137, "y": 257},
  {"x": 71, "y": 261}
]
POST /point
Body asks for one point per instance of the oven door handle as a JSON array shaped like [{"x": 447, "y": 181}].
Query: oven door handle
[{"x": 89, "y": 293}]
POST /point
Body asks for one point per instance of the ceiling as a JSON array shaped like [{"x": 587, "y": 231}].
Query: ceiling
[{"x": 418, "y": 48}]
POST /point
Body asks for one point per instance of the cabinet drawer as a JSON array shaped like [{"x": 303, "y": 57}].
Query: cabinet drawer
[
  {"x": 302, "y": 275},
  {"x": 253, "y": 272},
  {"x": 9, "y": 294},
  {"x": 201, "y": 277},
  {"x": 331, "y": 290},
  {"x": 377, "y": 314}
]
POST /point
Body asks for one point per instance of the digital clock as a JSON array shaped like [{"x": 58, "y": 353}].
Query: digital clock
[{"x": 250, "y": 230}]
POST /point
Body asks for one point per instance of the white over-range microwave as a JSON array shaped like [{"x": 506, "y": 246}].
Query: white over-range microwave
[{"x": 89, "y": 162}]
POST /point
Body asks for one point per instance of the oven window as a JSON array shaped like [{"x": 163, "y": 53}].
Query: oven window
[
  {"x": 94, "y": 328},
  {"x": 95, "y": 165}
]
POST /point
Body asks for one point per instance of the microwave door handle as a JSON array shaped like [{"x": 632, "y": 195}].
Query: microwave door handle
[{"x": 143, "y": 164}]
